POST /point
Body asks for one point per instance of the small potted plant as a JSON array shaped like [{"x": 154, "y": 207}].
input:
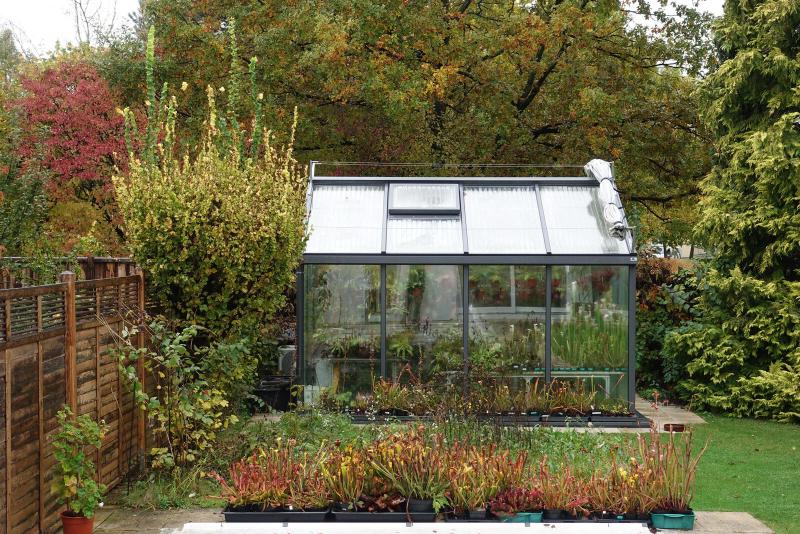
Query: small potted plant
[
  {"x": 74, "y": 481},
  {"x": 674, "y": 467},
  {"x": 518, "y": 505},
  {"x": 415, "y": 469}
]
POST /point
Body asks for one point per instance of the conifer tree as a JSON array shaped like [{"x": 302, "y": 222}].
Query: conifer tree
[{"x": 746, "y": 350}]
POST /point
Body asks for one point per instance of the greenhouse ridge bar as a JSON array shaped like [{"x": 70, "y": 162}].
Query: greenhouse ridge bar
[{"x": 519, "y": 277}]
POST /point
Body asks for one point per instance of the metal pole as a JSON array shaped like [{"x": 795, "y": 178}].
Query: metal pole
[
  {"x": 632, "y": 337},
  {"x": 384, "y": 355},
  {"x": 465, "y": 321},
  {"x": 299, "y": 337},
  {"x": 548, "y": 316}
]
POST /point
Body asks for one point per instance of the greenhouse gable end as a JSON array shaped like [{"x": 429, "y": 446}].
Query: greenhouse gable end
[{"x": 440, "y": 278}]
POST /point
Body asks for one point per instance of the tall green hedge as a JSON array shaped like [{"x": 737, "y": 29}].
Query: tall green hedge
[{"x": 745, "y": 351}]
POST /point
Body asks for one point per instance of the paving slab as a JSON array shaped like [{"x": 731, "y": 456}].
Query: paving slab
[
  {"x": 661, "y": 413},
  {"x": 118, "y": 520},
  {"x": 729, "y": 523}
]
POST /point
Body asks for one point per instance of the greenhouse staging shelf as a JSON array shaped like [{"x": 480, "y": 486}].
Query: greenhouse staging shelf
[
  {"x": 556, "y": 421},
  {"x": 413, "y": 528}
]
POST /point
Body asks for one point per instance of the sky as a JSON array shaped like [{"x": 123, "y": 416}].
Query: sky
[{"x": 40, "y": 24}]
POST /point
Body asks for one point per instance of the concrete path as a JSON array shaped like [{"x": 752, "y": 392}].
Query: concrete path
[
  {"x": 118, "y": 520},
  {"x": 113, "y": 520},
  {"x": 661, "y": 414}
]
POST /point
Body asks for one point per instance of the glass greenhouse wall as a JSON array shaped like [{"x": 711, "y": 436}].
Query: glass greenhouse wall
[{"x": 433, "y": 279}]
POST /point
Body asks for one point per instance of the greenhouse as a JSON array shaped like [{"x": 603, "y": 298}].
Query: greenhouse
[{"x": 440, "y": 279}]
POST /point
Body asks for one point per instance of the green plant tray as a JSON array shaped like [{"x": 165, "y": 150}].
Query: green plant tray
[
  {"x": 673, "y": 521},
  {"x": 524, "y": 517}
]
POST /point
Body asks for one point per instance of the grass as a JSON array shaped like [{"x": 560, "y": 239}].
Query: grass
[{"x": 750, "y": 466}]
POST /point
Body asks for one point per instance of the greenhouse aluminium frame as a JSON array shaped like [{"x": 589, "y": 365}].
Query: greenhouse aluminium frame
[{"x": 548, "y": 259}]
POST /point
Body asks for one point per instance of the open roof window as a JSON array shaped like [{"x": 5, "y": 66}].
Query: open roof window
[{"x": 424, "y": 199}]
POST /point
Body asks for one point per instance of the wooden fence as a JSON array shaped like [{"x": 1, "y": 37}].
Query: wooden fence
[
  {"x": 54, "y": 342},
  {"x": 17, "y": 272}
]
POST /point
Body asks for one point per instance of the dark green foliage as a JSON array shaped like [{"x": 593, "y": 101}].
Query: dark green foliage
[
  {"x": 23, "y": 208},
  {"x": 667, "y": 297},
  {"x": 746, "y": 350}
]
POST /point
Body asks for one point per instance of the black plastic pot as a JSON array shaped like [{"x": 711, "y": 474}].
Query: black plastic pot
[
  {"x": 477, "y": 515},
  {"x": 552, "y": 515},
  {"x": 602, "y": 516},
  {"x": 383, "y": 517},
  {"x": 644, "y": 518},
  {"x": 248, "y": 515},
  {"x": 274, "y": 392},
  {"x": 420, "y": 506}
]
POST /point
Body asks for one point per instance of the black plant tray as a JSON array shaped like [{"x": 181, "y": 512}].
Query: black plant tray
[
  {"x": 384, "y": 517},
  {"x": 234, "y": 516},
  {"x": 592, "y": 521},
  {"x": 635, "y": 420}
]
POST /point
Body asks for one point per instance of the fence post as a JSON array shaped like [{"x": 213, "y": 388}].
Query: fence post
[
  {"x": 70, "y": 333},
  {"x": 140, "y": 428}
]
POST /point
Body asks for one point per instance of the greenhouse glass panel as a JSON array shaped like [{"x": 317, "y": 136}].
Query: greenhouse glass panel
[
  {"x": 503, "y": 220},
  {"x": 424, "y": 234},
  {"x": 575, "y": 222},
  {"x": 341, "y": 329},
  {"x": 590, "y": 327},
  {"x": 346, "y": 219},
  {"x": 507, "y": 322},
  {"x": 424, "y": 325}
]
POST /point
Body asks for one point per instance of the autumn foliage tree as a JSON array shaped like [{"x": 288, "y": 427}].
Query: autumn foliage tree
[
  {"x": 560, "y": 81},
  {"x": 72, "y": 129},
  {"x": 71, "y": 136}
]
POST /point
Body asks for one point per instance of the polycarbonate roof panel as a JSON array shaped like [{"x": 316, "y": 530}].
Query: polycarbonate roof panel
[
  {"x": 503, "y": 220},
  {"x": 575, "y": 223},
  {"x": 428, "y": 234},
  {"x": 423, "y": 197},
  {"x": 346, "y": 219}
]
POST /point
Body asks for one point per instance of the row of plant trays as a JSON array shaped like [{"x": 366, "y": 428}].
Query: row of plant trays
[
  {"x": 634, "y": 420},
  {"x": 251, "y": 514}
]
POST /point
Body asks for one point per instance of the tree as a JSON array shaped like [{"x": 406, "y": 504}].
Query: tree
[
  {"x": 446, "y": 81},
  {"x": 73, "y": 133},
  {"x": 72, "y": 128},
  {"x": 746, "y": 347},
  {"x": 23, "y": 205},
  {"x": 218, "y": 231}
]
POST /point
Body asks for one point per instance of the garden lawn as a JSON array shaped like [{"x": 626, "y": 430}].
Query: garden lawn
[{"x": 750, "y": 466}]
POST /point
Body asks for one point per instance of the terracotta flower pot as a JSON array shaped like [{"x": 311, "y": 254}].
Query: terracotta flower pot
[{"x": 76, "y": 524}]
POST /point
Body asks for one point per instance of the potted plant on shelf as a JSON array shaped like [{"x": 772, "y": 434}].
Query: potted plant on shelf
[
  {"x": 563, "y": 494},
  {"x": 74, "y": 478},
  {"x": 415, "y": 469},
  {"x": 346, "y": 474},
  {"x": 518, "y": 505},
  {"x": 276, "y": 484},
  {"x": 674, "y": 467}
]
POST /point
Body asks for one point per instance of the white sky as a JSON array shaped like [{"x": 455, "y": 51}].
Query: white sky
[{"x": 39, "y": 24}]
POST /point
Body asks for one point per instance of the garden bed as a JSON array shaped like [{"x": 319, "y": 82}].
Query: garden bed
[{"x": 423, "y": 473}]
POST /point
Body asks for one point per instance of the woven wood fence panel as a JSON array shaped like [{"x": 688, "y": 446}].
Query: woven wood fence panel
[
  {"x": 54, "y": 350},
  {"x": 16, "y": 272}
]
